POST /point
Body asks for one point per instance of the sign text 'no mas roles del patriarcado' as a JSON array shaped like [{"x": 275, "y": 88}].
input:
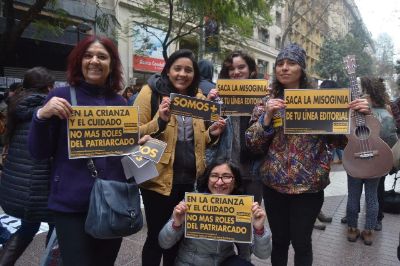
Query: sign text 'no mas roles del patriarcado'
[
  {"x": 219, "y": 217},
  {"x": 98, "y": 131},
  {"x": 239, "y": 96},
  {"x": 317, "y": 111}
]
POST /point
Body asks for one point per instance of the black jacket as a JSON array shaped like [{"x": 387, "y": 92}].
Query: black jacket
[{"x": 24, "y": 184}]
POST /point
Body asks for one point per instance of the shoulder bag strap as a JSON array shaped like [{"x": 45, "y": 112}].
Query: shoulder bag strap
[{"x": 90, "y": 164}]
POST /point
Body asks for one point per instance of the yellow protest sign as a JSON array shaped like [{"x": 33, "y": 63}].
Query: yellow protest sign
[
  {"x": 239, "y": 96},
  {"x": 219, "y": 217},
  {"x": 317, "y": 111},
  {"x": 194, "y": 107},
  {"x": 98, "y": 131}
]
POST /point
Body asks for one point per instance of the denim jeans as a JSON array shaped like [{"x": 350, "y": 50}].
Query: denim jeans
[{"x": 4, "y": 234}]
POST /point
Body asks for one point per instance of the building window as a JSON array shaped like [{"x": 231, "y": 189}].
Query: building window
[
  {"x": 278, "y": 42},
  {"x": 262, "y": 68},
  {"x": 278, "y": 19},
  {"x": 263, "y": 35}
]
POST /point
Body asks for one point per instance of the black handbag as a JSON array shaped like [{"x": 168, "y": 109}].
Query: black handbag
[
  {"x": 114, "y": 208},
  {"x": 391, "y": 199}
]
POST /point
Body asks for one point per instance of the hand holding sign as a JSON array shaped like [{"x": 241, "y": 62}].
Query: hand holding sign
[
  {"x": 55, "y": 107},
  {"x": 212, "y": 94},
  {"x": 258, "y": 216},
  {"x": 144, "y": 139},
  {"x": 179, "y": 213},
  {"x": 217, "y": 127},
  {"x": 271, "y": 107},
  {"x": 163, "y": 110}
]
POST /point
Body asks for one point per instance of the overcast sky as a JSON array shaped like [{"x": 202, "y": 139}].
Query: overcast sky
[{"x": 382, "y": 16}]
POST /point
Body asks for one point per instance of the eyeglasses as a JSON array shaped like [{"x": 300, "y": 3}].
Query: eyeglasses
[{"x": 226, "y": 178}]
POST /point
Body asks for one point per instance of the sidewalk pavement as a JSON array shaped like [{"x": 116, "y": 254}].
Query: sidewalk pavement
[{"x": 330, "y": 247}]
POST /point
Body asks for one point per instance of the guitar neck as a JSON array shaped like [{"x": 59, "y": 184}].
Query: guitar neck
[{"x": 355, "y": 94}]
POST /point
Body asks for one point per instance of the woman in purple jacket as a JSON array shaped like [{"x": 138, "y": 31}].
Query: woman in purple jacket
[{"x": 94, "y": 69}]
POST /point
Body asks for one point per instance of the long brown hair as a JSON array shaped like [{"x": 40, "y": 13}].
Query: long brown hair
[{"x": 376, "y": 90}]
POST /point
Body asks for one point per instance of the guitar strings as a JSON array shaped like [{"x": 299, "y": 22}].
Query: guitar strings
[{"x": 360, "y": 123}]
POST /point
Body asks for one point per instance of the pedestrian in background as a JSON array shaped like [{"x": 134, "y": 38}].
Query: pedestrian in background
[
  {"x": 94, "y": 70},
  {"x": 128, "y": 93},
  {"x": 375, "y": 92},
  {"x": 296, "y": 167},
  {"x": 206, "y": 69},
  {"x": 24, "y": 184},
  {"x": 183, "y": 159},
  {"x": 322, "y": 217}
]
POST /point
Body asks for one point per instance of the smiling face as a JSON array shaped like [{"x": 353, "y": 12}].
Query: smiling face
[
  {"x": 96, "y": 64},
  {"x": 288, "y": 73},
  {"x": 181, "y": 74},
  {"x": 221, "y": 180},
  {"x": 239, "y": 69}
]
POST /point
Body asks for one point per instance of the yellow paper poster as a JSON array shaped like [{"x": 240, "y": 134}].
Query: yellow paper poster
[
  {"x": 97, "y": 131},
  {"x": 219, "y": 217},
  {"x": 317, "y": 111},
  {"x": 240, "y": 96}
]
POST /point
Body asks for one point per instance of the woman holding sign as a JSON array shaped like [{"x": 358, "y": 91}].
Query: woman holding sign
[
  {"x": 183, "y": 159},
  {"x": 296, "y": 166},
  {"x": 222, "y": 178},
  {"x": 94, "y": 69},
  {"x": 239, "y": 65}
]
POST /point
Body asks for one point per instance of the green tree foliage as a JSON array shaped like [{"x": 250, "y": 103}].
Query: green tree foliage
[
  {"x": 54, "y": 24},
  {"x": 330, "y": 64},
  {"x": 397, "y": 69},
  {"x": 236, "y": 18},
  {"x": 384, "y": 56}
]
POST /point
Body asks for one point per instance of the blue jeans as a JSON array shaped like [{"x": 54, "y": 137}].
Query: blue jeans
[
  {"x": 4, "y": 234},
  {"x": 355, "y": 187}
]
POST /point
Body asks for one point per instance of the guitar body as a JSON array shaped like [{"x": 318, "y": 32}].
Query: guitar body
[{"x": 366, "y": 154}]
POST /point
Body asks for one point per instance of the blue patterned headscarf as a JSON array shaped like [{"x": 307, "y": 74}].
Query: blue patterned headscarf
[{"x": 293, "y": 52}]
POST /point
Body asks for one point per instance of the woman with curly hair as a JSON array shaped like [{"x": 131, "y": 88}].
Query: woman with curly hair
[{"x": 375, "y": 92}]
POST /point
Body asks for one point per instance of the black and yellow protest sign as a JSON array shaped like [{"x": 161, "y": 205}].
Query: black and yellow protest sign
[
  {"x": 98, "y": 131},
  {"x": 152, "y": 150},
  {"x": 219, "y": 217},
  {"x": 317, "y": 111},
  {"x": 239, "y": 96},
  {"x": 194, "y": 107}
]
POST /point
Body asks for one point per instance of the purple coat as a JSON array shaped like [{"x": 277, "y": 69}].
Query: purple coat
[{"x": 71, "y": 182}]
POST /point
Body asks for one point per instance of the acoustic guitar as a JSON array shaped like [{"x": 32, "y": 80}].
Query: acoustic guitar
[{"x": 366, "y": 154}]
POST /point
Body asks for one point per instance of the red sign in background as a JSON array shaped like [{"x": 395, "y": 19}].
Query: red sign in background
[{"x": 149, "y": 64}]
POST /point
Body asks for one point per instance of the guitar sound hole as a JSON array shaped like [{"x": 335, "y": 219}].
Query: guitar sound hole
[{"x": 362, "y": 132}]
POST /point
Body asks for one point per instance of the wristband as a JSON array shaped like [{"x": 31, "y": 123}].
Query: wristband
[
  {"x": 176, "y": 227},
  {"x": 259, "y": 232}
]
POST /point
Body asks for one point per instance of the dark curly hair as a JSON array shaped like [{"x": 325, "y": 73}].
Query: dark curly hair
[
  {"x": 376, "y": 89},
  {"x": 202, "y": 182},
  {"x": 251, "y": 63}
]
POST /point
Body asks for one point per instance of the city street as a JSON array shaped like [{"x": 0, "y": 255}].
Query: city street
[{"x": 330, "y": 246}]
